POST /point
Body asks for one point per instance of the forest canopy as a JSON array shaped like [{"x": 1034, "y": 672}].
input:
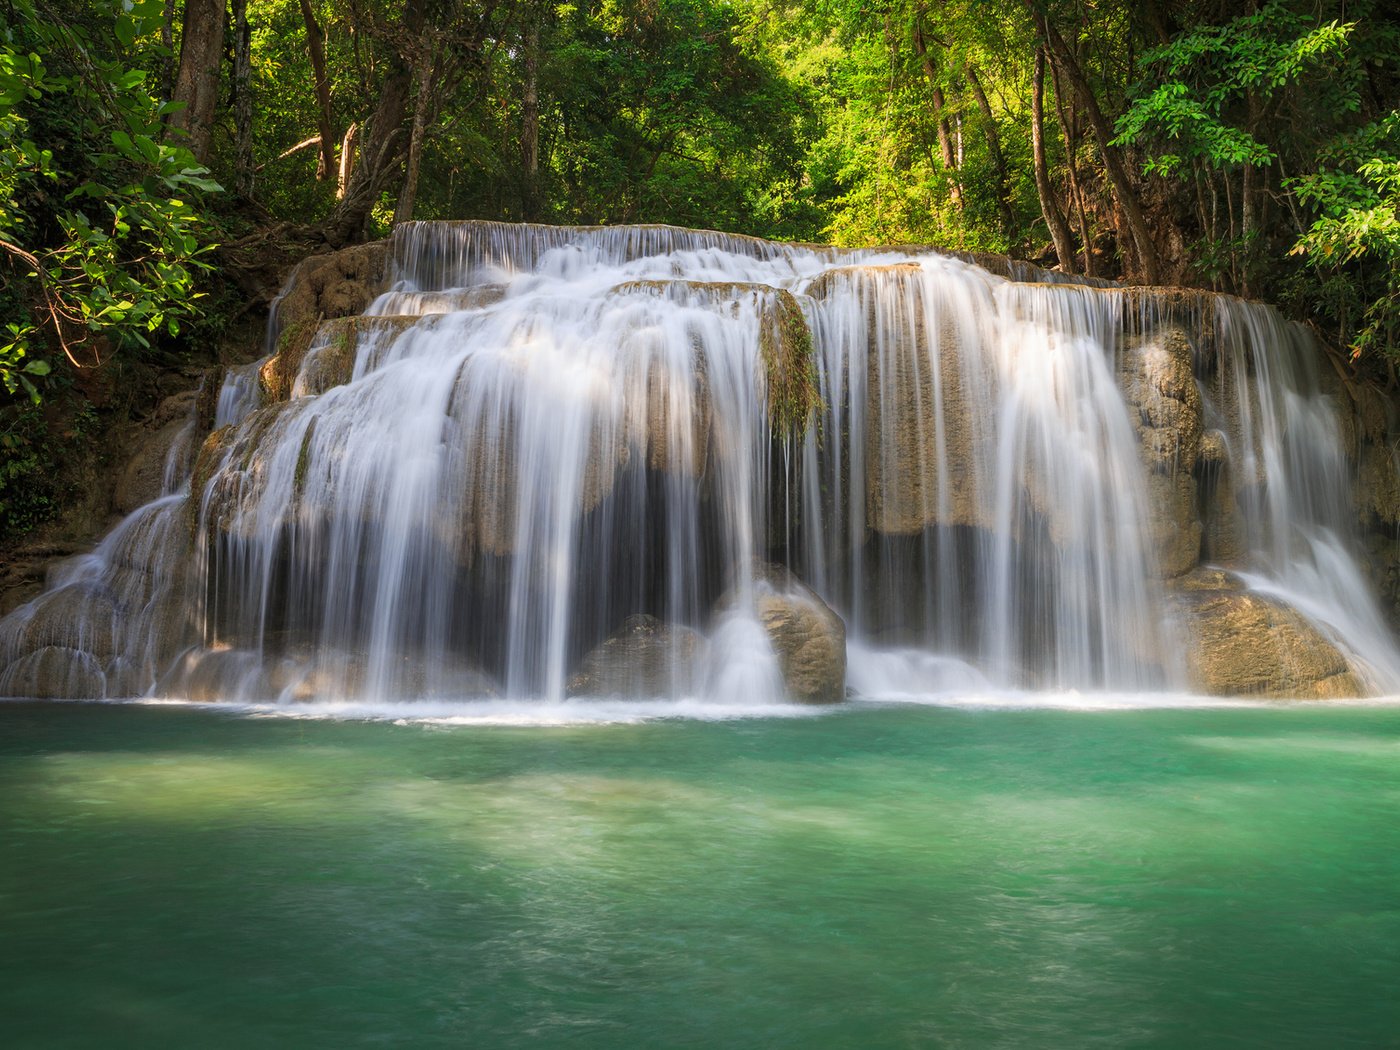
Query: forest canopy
[{"x": 149, "y": 146}]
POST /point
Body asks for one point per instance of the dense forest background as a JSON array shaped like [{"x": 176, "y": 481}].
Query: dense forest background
[{"x": 159, "y": 160}]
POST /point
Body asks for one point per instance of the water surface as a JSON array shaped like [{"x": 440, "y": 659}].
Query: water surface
[{"x": 899, "y": 876}]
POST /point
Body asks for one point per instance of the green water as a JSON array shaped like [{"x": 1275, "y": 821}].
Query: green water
[{"x": 877, "y": 877}]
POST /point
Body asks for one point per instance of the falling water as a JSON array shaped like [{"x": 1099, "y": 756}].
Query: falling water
[{"x": 538, "y": 434}]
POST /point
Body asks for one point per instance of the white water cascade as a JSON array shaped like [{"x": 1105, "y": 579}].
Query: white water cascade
[{"x": 644, "y": 461}]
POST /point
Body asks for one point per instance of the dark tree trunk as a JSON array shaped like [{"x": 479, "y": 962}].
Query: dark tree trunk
[
  {"x": 347, "y": 159},
  {"x": 945, "y": 136},
  {"x": 422, "y": 109},
  {"x": 197, "y": 79},
  {"x": 381, "y": 150},
  {"x": 530, "y": 125},
  {"x": 1064, "y": 59},
  {"x": 1049, "y": 207},
  {"x": 1072, "y": 168},
  {"x": 167, "y": 40},
  {"x": 382, "y": 144},
  {"x": 989, "y": 129},
  {"x": 316, "y": 49},
  {"x": 242, "y": 99}
]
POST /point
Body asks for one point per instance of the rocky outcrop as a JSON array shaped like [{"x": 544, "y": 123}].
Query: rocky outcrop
[
  {"x": 643, "y": 658},
  {"x": 55, "y": 673},
  {"x": 1240, "y": 643},
  {"x": 337, "y": 284},
  {"x": 168, "y": 434},
  {"x": 305, "y": 674}
]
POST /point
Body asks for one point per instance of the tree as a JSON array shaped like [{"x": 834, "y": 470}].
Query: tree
[{"x": 100, "y": 232}]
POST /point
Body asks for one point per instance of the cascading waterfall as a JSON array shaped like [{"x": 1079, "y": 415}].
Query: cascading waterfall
[{"x": 546, "y": 452}]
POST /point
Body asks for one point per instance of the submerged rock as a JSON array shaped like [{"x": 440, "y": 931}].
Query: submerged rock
[
  {"x": 1240, "y": 643},
  {"x": 645, "y": 657}
]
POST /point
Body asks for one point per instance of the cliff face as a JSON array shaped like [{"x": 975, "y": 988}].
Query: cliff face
[{"x": 1128, "y": 488}]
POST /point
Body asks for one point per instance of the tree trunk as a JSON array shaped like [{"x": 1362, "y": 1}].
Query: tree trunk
[
  {"x": 1054, "y": 219},
  {"x": 242, "y": 99},
  {"x": 1063, "y": 58},
  {"x": 167, "y": 40},
  {"x": 197, "y": 79},
  {"x": 381, "y": 144},
  {"x": 347, "y": 160},
  {"x": 945, "y": 135},
  {"x": 1072, "y": 168},
  {"x": 422, "y": 106},
  {"x": 316, "y": 49},
  {"x": 530, "y": 125},
  {"x": 381, "y": 149},
  {"x": 989, "y": 127}
]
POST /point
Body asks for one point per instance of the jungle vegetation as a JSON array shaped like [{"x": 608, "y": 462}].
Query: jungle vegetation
[{"x": 154, "y": 153}]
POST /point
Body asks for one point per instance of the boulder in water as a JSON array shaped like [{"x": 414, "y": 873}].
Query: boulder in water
[
  {"x": 1241, "y": 643},
  {"x": 808, "y": 637},
  {"x": 645, "y": 657}
]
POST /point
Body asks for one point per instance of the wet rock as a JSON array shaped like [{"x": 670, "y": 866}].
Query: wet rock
[
  {"x": 1222, "y": 538},
  {"x": 1164, "y": 405},
  {"x": 77, "y": 617},
  {"x": 807, "y": 636},
  {"x": 645, "y": 657},
  {"x": 1159, "y": 383},
  {"x": 1240, "y": 643},
  {"x": 929, "y": 405},
  {"x": 330, "y": 360},
  {"x": 308, "y": 674},
  {"x": 55, "y": 672},
  {"x": 218, "y": 674},
  {"x": 1173, "y": 528},
  {"x": 171, "y": 430},
  {"x": 337, "y": 284}
]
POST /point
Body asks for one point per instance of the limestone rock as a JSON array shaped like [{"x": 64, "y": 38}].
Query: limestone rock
[
  {"x": 1164, "y": 403},
  {"x": 55, "y": 672},
  {"x": 1222, "y": 540},
  {"x": 337, "y": 284},
  {"x": 79, "y": 617},
  {"x": 1240, "y": 643},
  {"x": 330, "y": 359},
  {"x": 308, "y": 674},
  {"x": 917, "y": 474},
  {"x": 645, "y": 657},
  {"x": 170, "y": 430},
  {"x": 807, "y": 636}
]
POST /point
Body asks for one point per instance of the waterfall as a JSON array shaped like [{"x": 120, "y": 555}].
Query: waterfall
[{"x": 559, "y": 460}]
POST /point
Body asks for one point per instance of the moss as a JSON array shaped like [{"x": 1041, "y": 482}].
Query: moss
[
  {"x": 303, "y": 461},
  {"x": 785, "y": 345}
]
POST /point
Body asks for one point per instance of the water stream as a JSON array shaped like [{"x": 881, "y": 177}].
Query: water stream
[{"x": 538, "y": 433}]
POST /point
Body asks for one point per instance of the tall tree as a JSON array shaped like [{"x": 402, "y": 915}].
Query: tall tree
[{"x": 197, "y": 78}]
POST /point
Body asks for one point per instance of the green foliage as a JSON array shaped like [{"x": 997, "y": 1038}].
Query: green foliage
[
  {"x": 34, "y": 457},
  {"x": 1357, "y": 196},
  {"x": 1217, "y": 79},
  {"x": 101, "y": 227}
]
